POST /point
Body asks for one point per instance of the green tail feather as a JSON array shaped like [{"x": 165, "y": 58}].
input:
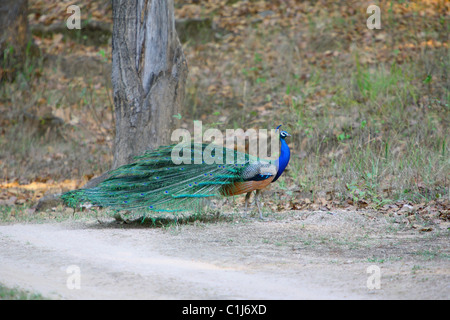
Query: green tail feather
[
  {"x": 74, "y": 197},
  {"x": 155, "y": 183}
]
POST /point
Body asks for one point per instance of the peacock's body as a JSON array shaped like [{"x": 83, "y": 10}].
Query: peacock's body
[{"x": 157, "y": 183}]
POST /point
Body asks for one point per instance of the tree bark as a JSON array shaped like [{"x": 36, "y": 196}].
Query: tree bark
[
  {"x": 149, "y": 72},
  {"x": 13, "y": 36}
]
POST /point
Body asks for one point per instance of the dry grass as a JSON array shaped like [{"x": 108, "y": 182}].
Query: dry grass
[{"x": 368, "y": 109}]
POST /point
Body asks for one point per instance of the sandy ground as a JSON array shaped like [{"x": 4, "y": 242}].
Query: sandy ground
[{"x": 294, "y": 255}]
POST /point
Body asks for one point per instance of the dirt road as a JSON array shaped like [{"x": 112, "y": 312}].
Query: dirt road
[{"x": 295, "y": 255}]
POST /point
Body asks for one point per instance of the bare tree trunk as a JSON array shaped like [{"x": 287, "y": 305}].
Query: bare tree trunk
[
  {"x": 13, "y": 35},
  {"x": 149, "y": 72}
]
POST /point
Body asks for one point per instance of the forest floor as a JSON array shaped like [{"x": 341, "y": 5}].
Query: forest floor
[
  {"x": 290, "y": 255},
  {"x": 368, "y": 181}
]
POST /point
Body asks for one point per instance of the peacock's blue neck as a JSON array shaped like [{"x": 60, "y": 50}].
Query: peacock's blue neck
[{"x": 283, "y": 160}]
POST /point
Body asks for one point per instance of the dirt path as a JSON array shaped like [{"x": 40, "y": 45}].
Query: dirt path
[{"x": 297, "y": 255}]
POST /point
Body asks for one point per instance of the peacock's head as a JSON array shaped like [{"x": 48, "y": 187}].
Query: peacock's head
[{"x": 283, "y": 134}]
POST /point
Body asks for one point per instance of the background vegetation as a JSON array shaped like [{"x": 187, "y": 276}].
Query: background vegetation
[{"x": 368, "y": 110}]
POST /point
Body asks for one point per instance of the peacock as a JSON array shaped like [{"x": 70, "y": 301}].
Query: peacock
[{"x": 155, "y": 182}]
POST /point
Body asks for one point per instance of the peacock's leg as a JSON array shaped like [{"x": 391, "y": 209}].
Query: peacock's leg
[
  {"x": 247, "y": 198},
  {"x": 258, "y": 204}
]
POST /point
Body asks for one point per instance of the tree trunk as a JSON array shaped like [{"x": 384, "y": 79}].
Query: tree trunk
[
  {"x": 13, "y": 36},
  {"x": 149, "y": 72}
]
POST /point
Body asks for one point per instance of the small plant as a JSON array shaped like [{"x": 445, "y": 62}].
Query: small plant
[
  {"x": 260, "y": 80},
  {"x": 367, "y": 189},
  {"x": 375, "y": 260},
  {"x": 103, "y": 55},
  {"x": 18, "y": 294},
  {"x": 343, "y": 136},
  {"x": 363, "y": 124}
]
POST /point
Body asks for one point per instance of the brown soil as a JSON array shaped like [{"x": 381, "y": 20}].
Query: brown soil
[{"x": 292, "y": 255}]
